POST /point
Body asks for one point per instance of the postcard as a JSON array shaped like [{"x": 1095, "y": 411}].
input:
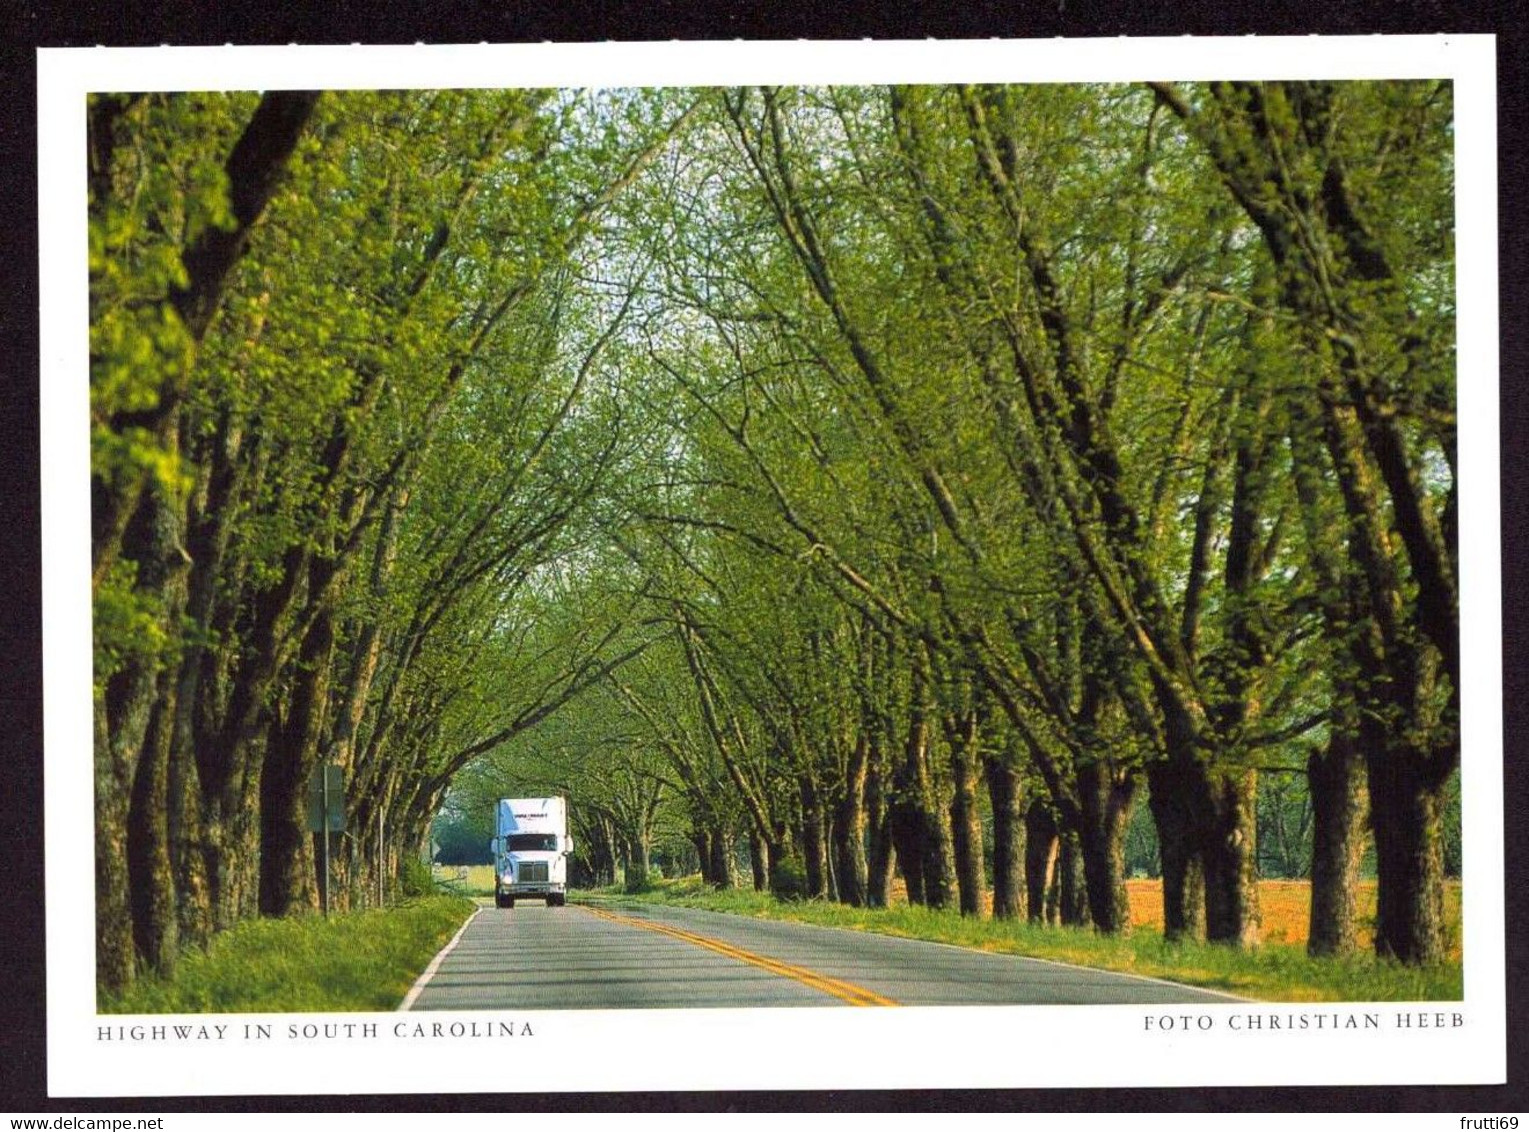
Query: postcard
[{"x": 796, "y": 565}]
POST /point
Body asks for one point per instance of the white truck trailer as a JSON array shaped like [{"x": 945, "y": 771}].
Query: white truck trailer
[{"x": 531, "y": 847}]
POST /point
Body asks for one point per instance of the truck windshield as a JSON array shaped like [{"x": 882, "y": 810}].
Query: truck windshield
[{"x": 546, "y": 842}]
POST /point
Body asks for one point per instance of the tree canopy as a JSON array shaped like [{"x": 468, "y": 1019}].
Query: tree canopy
[{"x": 847, "y": 484}]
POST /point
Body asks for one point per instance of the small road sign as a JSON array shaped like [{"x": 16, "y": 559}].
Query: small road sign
[{"x": 326, "y": 799}]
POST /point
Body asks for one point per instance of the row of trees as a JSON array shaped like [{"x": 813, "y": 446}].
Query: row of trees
[
  {"x": 847, "y": 453},
  {"x": 1067, "y": 444},
  {"x": 462, "y": 829},
  {"x": 346, "y": 419}
]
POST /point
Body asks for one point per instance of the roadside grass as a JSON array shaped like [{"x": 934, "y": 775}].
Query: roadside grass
[
  {"x": 351, "y": 961},
  {"x": 465, "y": 880},
  {"x": 1274, "y": 972}
]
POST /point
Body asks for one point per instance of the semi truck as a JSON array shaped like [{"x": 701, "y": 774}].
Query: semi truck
[{"x": 531, "y": 848}]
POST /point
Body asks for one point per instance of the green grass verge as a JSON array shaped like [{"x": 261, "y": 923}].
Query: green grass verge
[
  {"x": 1274, "y": 972},
  {"x": 464, "y": 880},
  {"x": 354, "y": 961}
]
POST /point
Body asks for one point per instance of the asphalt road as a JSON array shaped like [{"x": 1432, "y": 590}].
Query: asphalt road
[{"x": 636, "y": 956}]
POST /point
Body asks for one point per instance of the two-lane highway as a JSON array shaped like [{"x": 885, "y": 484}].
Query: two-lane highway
[{"x": 645, "y": 955}]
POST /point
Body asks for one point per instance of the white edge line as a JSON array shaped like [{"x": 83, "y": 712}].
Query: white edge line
[
  {"x": 435, "y": 964},
  {"x": 1133, "y": 975}
]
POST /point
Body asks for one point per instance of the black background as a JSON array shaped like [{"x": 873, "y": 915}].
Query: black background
[{"x": 25, "y": 27}]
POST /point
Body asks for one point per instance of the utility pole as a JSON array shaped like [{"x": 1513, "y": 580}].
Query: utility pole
[
  {"x": 381, "y": 861},
  {"x": 324, "y": 888}
]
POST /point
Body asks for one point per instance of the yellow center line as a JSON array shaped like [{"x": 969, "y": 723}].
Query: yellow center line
[{"x": 847, "y": 992}]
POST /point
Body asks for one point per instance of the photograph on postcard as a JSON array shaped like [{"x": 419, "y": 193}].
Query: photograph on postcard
[{"x": 667, "y": 550}]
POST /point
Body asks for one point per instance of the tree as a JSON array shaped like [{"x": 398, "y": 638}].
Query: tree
[
  {"x": 258, "y": 475},
  {"x": 1348, "y": 187},
  {"x": 785, "y": 466},
  {"x": 160, "y": 260}
]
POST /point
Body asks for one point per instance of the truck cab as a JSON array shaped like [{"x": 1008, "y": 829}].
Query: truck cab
[{"x": 531, "y": 847}]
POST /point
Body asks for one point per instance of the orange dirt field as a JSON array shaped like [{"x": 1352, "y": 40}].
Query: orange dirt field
[{"x": 1285, "y": 906}]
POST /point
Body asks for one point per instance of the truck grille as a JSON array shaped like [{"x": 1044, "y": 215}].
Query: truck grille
[{"x": 533, "y": 872}]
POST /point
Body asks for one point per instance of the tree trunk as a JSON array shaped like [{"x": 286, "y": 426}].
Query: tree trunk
[
  {"x": 1207, "y": 827},
  {"x": 939, "y": 862},
  {"x": 1394, "y": 680},
  {"x": 1405, "y": 819},
  {"x": 966, "y": 820},
  {"x": 923, "y": 834},
  {"x": 757, "y": 862},
  {"x": 358, "y": 856},
  {"x": 720, "y": 843},
  {"x": 1105, "y": 796},
  {"x": 208, "y": 530},
  {"x": 1072, "y": 886},
  {"x": 850, "y": 865},
  {"x": 365, "y": 777},
  {"x": 137, "y": 727},
  {"x": 233, "y": 754},
  {"x": 700, "y": 840},
  {"x": 1229, "y": 857},
  {"x": 637, "y": 864},
  {"x": 1040, "y": 858},
  {"x": 780, "y": 856},
  {"x": 290, "y": 762},
  {"x": 283, "y": 882},
  {"x": 879, "y": 858},
  {"x": 847, "y": 833},
  {"x": 1336, "y": 782},
  {"x": 239, "y": 863},
  {"x": 603, "y": 852},
  {"x": 150, "y": 874},
  {"x": 1183, "y": 892},
  {"x": 114, "y": 921},
  {"x": 907, "y": 835},
  {"x": 1008, "y": 840},
  {"x": 187, "y": 859},
  {"x": 814, "y": 851},
  {"x": 909, "y": 789}
]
